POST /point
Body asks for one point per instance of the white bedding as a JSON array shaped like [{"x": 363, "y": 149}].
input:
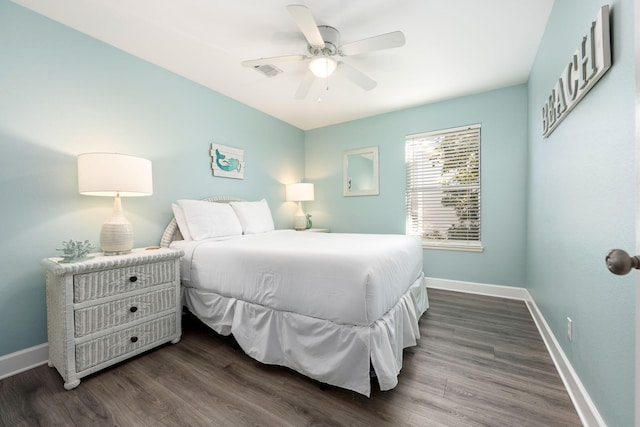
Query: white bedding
[
  {"x": 346, "y": 278},
  {"x": 324, "y": 304}
]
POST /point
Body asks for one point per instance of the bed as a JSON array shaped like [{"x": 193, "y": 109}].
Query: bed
[{"x": 331, "y": 306}]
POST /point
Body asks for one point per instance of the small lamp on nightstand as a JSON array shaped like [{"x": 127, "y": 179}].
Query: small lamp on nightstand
[
  {"x": 115, "y": 175},
  {"x": 300, "y": 192}
]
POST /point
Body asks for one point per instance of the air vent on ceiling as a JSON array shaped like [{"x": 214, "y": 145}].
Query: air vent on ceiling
[{"x": 268, "y": 70}]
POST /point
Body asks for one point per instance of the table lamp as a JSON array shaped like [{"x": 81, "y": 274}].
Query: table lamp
[
  {"x": 300, "y": 192},
  {"x": 115, "y": 175}
]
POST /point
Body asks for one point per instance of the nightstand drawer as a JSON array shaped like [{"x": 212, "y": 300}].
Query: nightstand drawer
[
  {"x": 98, "y": 284},
  {"x": 130, "y": 340},
  {"x": 118, "y": 312}
]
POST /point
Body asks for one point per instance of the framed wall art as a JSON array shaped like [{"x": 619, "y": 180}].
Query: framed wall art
[{"x": 228, "y": 162}]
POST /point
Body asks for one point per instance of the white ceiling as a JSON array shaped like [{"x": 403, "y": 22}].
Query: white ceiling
[{"x": 453, "y": 47}]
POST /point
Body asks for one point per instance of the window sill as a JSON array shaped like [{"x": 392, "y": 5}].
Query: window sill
[{"x": 451, "y": 246}]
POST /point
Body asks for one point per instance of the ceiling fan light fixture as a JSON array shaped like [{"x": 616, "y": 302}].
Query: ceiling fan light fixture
[{"x": 323, "y": 66}]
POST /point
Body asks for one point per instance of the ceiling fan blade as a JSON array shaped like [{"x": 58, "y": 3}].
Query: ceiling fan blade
[
  {"x": 304, "y": 19},
  {"x": 356, "y": 76},
  {"x": 262, "y": 61},
  {"x": 305, "y": 85},
  {"x": 383, "y": 41}
]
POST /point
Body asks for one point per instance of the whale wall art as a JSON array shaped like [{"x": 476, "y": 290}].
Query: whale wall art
[{"x": 228, "y": 162}]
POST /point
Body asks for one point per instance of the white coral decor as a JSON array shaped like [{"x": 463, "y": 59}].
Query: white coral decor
[{"x": 75, "y": 250}]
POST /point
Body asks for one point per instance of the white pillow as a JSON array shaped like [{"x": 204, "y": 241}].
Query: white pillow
[
  {"x": 255, "y": 217},
  {"x": 210, "y": 219},
  {"x": 182, "y": 222}
]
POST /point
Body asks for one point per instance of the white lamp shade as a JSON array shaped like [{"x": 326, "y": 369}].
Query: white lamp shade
[
  {"x": 109, "y": 174},
  {"x": 323, "y": 66},
  {"x": 300, "y": 192}
]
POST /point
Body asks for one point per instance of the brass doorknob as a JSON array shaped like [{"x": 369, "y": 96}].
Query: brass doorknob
[{"x": 619, "y": 262}]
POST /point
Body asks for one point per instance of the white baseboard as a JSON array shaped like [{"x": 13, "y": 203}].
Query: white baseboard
[
  {"x": 510, "y": 292},
  {"x": 23, "y": 360},
  {"x": 585, "y": 407}
]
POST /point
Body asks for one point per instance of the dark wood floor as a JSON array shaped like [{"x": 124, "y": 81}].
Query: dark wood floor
[{"x": 480, "y": 362}]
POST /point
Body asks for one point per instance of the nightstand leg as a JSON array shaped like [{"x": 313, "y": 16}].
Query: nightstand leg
[{"x": 70, "y": 385}]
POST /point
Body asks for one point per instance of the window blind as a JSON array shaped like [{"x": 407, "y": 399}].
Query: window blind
[{"x": 443, "y": 187}]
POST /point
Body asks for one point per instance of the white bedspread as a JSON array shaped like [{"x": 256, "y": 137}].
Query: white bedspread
[
  {"x": 324, "y": 304},
  {"x": 346, "y": 278}
]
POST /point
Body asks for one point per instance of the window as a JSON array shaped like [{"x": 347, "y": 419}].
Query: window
[{"x": 443, "y": 188}]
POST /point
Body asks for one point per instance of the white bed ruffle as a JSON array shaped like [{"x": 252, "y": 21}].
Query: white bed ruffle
[{"x": 332, "y": 353}]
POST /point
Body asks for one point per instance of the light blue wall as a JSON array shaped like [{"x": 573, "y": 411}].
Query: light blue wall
[
  {"x": 582, "y": 204},
  {"x": 63, "y": 93},
  {"x": 503, "y": 116}
]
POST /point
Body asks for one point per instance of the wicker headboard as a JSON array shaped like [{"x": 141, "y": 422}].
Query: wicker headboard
[{"x": 172, "y": 232}]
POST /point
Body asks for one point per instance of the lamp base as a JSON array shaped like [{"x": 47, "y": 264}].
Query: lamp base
[
  {"x": 299, "y": 219},
  {"x": 300, "y": 222},
  {"x": 116, "y": 238},
  {"x": 116, "y": 235}
]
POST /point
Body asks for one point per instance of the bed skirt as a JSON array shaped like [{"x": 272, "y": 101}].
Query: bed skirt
[{"x": 332, "y": 353}]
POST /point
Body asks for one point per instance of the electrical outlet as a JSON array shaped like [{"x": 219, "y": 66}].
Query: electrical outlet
[{"x": 569, "y": 329}]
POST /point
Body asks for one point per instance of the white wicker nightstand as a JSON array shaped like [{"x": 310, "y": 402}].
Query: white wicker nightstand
[
  {"x": 109, "y": 308},
  {"x": 315, "y": 230}
]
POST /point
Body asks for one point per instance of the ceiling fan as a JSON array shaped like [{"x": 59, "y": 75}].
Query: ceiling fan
[{"x": 324, "y": 51}]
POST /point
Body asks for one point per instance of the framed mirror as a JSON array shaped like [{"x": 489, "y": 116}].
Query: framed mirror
[{"x": 360, "y": 172}]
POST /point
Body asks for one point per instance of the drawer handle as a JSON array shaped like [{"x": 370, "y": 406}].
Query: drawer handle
[
  {"x": 134, "y": 339},
  {"x": 133, "y": 309},
  {"x": 133, "y": 279}
]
